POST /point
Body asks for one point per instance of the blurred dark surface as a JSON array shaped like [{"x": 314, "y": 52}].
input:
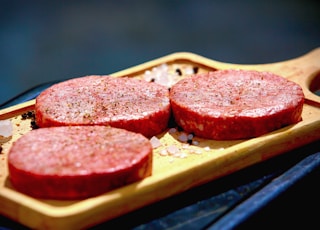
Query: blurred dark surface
[{"x": 43, "y": 41}]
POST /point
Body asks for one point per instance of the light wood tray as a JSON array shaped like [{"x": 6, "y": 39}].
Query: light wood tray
[{"x": 171, "y": 174}]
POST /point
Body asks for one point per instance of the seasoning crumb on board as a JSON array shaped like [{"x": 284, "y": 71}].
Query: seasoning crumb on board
[{"x": 30, "y": 115}]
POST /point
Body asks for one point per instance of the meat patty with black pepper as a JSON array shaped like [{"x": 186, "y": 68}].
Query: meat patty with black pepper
[
  {"x": 74, "y": 162},
  {"x": 235, "y": 104},
  {"x": 129, "y": 103}
]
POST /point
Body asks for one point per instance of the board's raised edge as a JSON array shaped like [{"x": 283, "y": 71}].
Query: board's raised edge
[{"x": 15, "y": 110}]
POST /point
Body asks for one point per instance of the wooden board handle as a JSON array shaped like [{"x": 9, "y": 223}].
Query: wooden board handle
[{"x": 305, "y": 70}]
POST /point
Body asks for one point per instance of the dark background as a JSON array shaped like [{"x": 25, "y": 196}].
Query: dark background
[{"x": 42, "y": 41}]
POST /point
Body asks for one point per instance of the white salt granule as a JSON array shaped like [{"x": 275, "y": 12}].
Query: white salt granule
[
  {"x": 182, "y": 155},
  {"x": 196, "y": 151},
  {"x": 6, "y": 128},
  {"x": 163, "y": 152},
  {"x": 190, "y": 136},
  {"x": 172, "y": 130},
  {"x": 155, "y": 142},
  {"x": 207, "y": 148},
  {"x": 183, "y": 137},
  {"x": 195, "y": 142},
  {"x": 173, "y": 149},
  {"x": 189, "y": 71},
  {"x": 185, "y": 146}
]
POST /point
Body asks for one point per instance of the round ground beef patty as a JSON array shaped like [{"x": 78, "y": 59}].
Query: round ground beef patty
[
  {"x": 129, "y": 103},
  {"x": 235, "y": 104},
  {"x": 77, "y": 161}
]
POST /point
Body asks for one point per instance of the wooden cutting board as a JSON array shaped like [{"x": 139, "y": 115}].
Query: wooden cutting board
[{"x": 172, "y": 173}]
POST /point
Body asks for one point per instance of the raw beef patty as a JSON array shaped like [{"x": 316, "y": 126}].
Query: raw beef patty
[
  {"x": 132, "y": 104},
  {"x": 235, "y": 104},
  {"x": 77, "y": 161}
]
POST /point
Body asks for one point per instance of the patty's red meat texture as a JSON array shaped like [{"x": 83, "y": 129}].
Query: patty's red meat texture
[
  {"x": 235, "y": 104},
  {"x": 129, "y": 103},
  {"x": 74, "y": 162}
]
